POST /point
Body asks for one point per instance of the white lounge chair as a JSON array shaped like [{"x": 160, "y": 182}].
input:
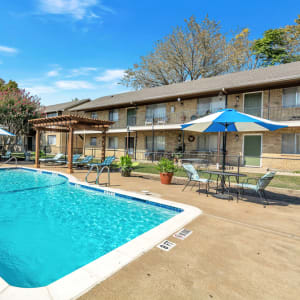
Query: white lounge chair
[{"x": 57, "y": 158}]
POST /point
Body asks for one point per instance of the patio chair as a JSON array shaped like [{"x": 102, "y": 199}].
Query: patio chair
[
  {"x": 54, "y": 159},
  {"x": 260, "y": 185},
  {"x": 84, "y": 162},
  {"x": 193, "y": 176},
  {"x": 7, "y": 155}
]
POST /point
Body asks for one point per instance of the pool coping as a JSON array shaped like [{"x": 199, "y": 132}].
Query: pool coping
[{"x": 78, "y": 282}]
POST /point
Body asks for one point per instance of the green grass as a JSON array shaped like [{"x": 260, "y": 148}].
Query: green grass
[{"x": 280, "y": 181}]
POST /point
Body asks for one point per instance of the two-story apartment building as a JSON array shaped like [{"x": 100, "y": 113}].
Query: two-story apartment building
[
  {"x": 55, "y": 142},
  {"x": 149, "y": 120}
]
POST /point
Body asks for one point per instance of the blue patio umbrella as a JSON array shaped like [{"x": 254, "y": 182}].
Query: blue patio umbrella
[
  {"x": 5, "y": 133},
  {"x": 230, "y": 120}
]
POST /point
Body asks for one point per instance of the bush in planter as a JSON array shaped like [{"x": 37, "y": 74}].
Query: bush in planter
[
  {"x": 126, "y": 165},
  {"x": 166, "y": 168}
]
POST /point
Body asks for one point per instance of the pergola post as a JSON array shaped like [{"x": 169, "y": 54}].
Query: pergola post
[
  {"x": 103, "y": 145},
  {"x": 37, "y": 148},
  {"x": 70, "y": 150}
]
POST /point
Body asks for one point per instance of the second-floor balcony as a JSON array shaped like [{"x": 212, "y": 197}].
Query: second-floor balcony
[
  {"x": 158, "y": 119},
  {"x": 275, "y": 113}
]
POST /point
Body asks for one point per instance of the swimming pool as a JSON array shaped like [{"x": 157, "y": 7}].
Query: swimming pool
[{"x": 52, "y": 226}]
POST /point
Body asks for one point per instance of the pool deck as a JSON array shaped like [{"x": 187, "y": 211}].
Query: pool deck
[{"x": 236, "y": 251}]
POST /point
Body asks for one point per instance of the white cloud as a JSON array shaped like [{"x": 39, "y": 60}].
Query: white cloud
[
  {"x": 8, "y": 50},
  {"x": 110, "y": 75},
  {"x": 73, "y": 84},
  {"x": 78, "y": 9},
  {"x": 41, "y": 89},
  {"x": 53, "y": 73},
  {"x": 83, "y": 71}
]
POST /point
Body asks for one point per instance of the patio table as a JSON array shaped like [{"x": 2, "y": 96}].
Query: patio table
[{"x": 223, "y": 175}]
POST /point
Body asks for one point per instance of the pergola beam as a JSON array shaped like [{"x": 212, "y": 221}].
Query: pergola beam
[{"x": 51, "y": 129}]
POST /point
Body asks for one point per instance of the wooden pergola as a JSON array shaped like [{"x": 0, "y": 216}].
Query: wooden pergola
[{"x": 68, "y": 124}]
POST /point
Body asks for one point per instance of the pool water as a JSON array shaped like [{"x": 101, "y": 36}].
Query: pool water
[{"x": 49, "y": 227}]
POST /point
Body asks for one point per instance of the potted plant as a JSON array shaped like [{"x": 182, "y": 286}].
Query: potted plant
[
  {"x": 166, "y": 168},
  {"x": 126, "y": 165}
]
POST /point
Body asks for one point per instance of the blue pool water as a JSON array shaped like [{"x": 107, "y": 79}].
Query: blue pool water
[{"x": 49, "y": 227}]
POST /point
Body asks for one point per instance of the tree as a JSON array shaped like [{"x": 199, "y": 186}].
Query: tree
[
  {"x": 17, "y": 107},
  {"x": 278, "y": 46},
  {"x": 191, "y": 52},
  {"x": 8, "y": 86}
]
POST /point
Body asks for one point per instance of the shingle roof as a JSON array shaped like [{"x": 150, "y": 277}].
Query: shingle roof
[
  {"x": 65, "y": 106},
  {"x": 270, "y": 76}
]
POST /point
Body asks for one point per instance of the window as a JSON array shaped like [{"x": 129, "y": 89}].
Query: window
[
  {"x": 94, "y": 115},
  {"x": 159, "y": 143},
  {"x": 291, "y": 97},
  {"x": 55, "y": 114},
  {"x": 93, "y": 141},
  {"x": 207, "y": 142},
  {"x": 209, "y": 105},
  {"x": 113, "y": 142},
  {"x": 290, "y": 143},
  {"x": 253, "y": 104},
  {"x": 113, "y": 115},
  {"x": 51, "y": 139},
  {"x": 156, "y": 111},
  {"x": 131, "y": 116}
]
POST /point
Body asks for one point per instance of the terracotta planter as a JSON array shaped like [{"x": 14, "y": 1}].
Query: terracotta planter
[{"x": 166, "y": 178}]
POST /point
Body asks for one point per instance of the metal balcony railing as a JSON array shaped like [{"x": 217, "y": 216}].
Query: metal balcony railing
[{"x": 275, "y": 113}]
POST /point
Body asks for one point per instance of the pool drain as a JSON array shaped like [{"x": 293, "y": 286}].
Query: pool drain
[{"x": 182, "y": 234}]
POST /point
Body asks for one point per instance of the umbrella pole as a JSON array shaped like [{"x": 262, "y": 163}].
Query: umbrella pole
[{"x": 224, "y": 160}]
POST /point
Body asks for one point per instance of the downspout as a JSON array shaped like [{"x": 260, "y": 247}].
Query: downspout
[{"x": 269, "y": 100}]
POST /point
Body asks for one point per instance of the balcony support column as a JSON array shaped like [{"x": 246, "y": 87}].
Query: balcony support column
[
  {"x": 103, "y": 145},
  {"x": 37, "y": 148}
]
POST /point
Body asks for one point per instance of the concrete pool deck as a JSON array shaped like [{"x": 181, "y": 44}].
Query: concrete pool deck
[{"x": 236, "y": 251}]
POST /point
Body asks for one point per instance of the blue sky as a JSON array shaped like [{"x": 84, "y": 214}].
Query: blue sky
[{"x": 62, "y": 49}]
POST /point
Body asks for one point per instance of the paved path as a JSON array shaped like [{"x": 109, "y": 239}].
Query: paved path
[{"x": 236, "y": 251}]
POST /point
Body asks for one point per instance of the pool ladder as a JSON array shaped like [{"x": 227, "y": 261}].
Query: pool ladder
[
  {"x": 10, "y": 159},
  {"x": 99, "y": 172}
]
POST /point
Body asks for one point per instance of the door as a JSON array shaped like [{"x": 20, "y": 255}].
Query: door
[
  {"x": 130, "y": 142},
  {"x": 29, "y": 143},
  {"x": 253, "y": 104},
  {"x": 252, "y": 150},
  {"x": 131, "y": 117}
]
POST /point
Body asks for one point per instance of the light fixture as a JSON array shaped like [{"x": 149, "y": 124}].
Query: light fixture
[
  {"x": 180, "y": 101},
  {"x": 237, "y": 100},
  {"x": 237, "y": 137}
]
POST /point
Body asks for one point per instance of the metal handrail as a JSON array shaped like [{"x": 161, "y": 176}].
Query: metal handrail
[
  {"x": 11, "y": 158},
  {"x": 99, "y": 172}
]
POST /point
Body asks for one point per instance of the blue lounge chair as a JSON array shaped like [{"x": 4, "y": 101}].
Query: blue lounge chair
[
  {"x": 259, "y": 185},
  {"x": 193, "y": 176},
  {"x": 105, "y": 164},
  {"x": 84, "y": 162},
  {"x": 54, "y": 159},
  {"x": 75, "y": 159},
  {"x": 7, "y": 155}
]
